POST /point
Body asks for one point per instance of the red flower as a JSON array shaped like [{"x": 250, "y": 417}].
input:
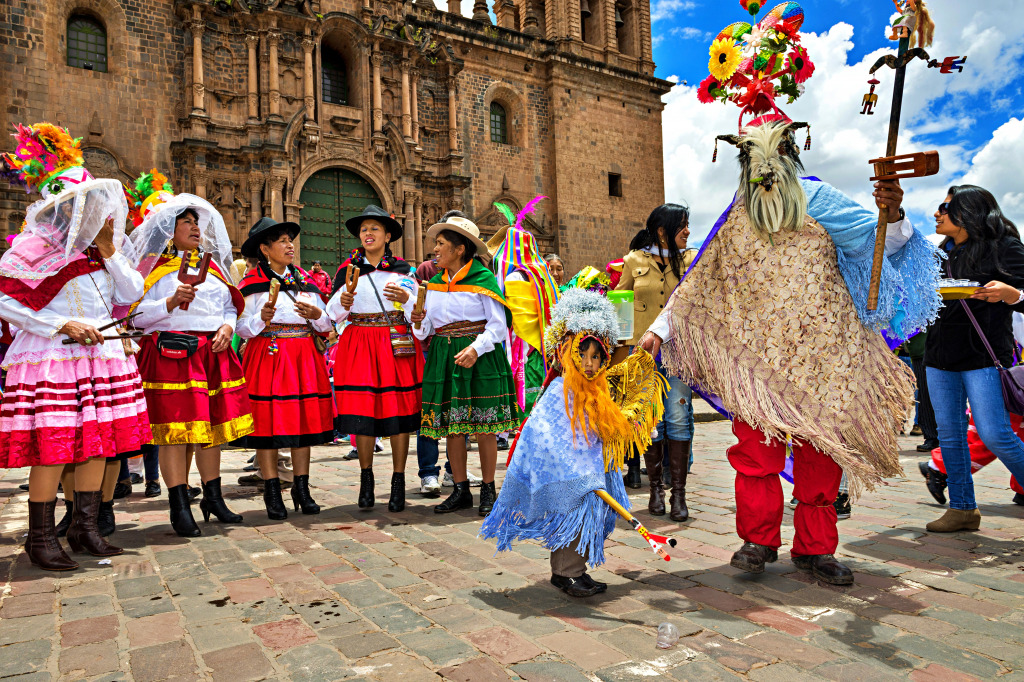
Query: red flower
[
  {"x": 759, "y": 96},
  {"x": 704, "y": 91},
  {"x": 800, "y": 64}
]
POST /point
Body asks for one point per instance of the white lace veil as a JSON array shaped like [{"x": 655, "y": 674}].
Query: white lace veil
[{"x": 151, "y": 239}]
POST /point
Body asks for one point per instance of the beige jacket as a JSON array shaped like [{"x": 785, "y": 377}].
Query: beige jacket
[{"x": 651, "y": 287}]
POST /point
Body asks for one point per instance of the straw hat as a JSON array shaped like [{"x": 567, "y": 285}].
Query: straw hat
[
  {"x": 468, "y": 229},
  {"x": 498, "y": 239}
]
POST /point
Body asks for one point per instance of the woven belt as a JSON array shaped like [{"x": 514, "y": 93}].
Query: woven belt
[
  {"x": 393, "y": 317},
  {"x": 285, "y": 331},
  {"x": 466, "y": 328}
]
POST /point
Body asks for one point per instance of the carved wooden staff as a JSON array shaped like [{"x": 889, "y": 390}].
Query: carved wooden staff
[
  {"x": 194, "y": 280},
  {"x": 351, "y": 280},
  {"x": 421, "y": 298},
  {"x": 890, "y": 166}
]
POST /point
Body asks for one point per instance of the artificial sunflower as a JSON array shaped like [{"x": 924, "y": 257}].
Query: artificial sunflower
[
  {"x": 800, "y": 64},
  {"x": 725, "y": 58},
  {"x": 706, "y": 91}
]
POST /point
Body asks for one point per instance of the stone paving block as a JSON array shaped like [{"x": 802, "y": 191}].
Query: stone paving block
[
  {"x": 956, "y": 659},
  {"x": 504, "y": 646},
  {"x": 139, "y": 587},
  {"x": 776, "y": 672},
  {"x": 364, "y": 593},
  {"x": 185, "y": 588},
  {"x": 88, "y": 660},
  {"x": 632, "y": 641},
  {"x": 789, "y": 649},
  {"x": 364, "y": 644},
  {"x": 249, "y": 589},
  {"x": 968, "y": 622},
  {"x": 235, "y": 570},
  {"x": 729, "y": 625},
  {"x": 396, "y": 618},
  {"x": 395, "y": 666},
  {"x": 28, "y": 605},
  {"x": 284, "y": 634},
  {"x": 27, "y": 628},
  {"x": 458, "y": 619},
  {"x": 314, "y": 663},
  {"x": 549, "y": 671},
  {"x": 528, "y": 621},
  {"x": 1011, "y": 653},
  {"x": 584, "y": 617},
  {"x": 425, "y": 596},
  {"x": 928, "y": 627},
  {"x": 437, "y": 645},
  {"x": 477, "y": 670},
  {"x": 219, "y": 634},
  {"x": 725, "y": 652},
  {"x": 243, "y": 662},
  {"x": 24, "y": 657},
  {"x": 164, "y": 627},
  {"x": 325, "y": 614},
  {"x": 163, "y": 661},
  {"x": 983, "y": 579},
  {"x": 702, "y": 671},
  {"x": 147, "y": 606},
  {"x": 32, "y": 584},
  {"x": 264, "y": 611},
  {"x": 88, "y": 631},
  {"x": 582, "y": 649},
  {"x": 630, "y": 671},
  {"x": 717, "y": 599},
  {"x": 198, "y": 609},
  {"x": 778, "y": 620},
  {"x": 304, "y": 592},
  {"x": 393, "y": 576},
  {"x": 860, "y": 672},
  {"x": 938, "y": 673},
  {"x": 84, "y": 607}
]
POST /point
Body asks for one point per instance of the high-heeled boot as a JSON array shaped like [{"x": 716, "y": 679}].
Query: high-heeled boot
[
  {"x": 65, "y": 523},
  {"x": 654, "y": 459},
  {"x": 276, "y": 510},
  {"x": 42, "y": 546},
  {"x": 366, "y": 488},
  {"x": 84, "y": 533},
  {"x": 397, "y": 501},
  {"x": 182, "y": 521},
  {"x": 678, "y": 459},
  {"x": 105, "y": 523},
  {"x": 487, "y": 498},
  {"x": 301, "y": 497},
  {"x": 461, "y": 498},
  {"x": 213, "y": 503}
]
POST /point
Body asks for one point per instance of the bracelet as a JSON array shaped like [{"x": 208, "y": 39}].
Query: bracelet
[{"x": 1020, "y": 298}]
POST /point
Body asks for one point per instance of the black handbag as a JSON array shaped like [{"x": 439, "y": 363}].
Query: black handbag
[{"x": 176, "y": 346}]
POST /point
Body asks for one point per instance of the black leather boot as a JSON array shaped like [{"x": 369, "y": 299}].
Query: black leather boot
[
  {"x": 182, "y": 521},
  {"x": 301, "y": 497},
  {"x": 272, "y": 499},
  {"x": 752, "y": 557},
  {"x": 825, "y": 567},
  {"x": 397, "y": 501},
  {"x": 65, "y": 523},
  {"x": 653, "y": 459},
  {"x": 678, "y": 459},
  {"x": 213, "y": 503},
  {"x": 632, "y": 477},
  {"x": 106, "y": 519},
  {"x": 42, "y": 546},
  {"x": 487, "y": 498},
  {"x": 461, "y": 498},
  {"x": 84, "y": 534},
  {"x": 365, "y": 488}
]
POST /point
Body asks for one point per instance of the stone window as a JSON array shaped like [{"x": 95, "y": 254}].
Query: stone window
[
  {"x": 499, "y": 124},
  {"x": 335, "y": 84},
  {"x": 614, "y": 185},
  {"x": 87, "y": 43}
]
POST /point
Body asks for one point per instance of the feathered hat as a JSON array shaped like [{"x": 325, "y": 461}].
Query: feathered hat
[
  {"x": 148, "y": 193},
  {"x": 46, "y": 159}
]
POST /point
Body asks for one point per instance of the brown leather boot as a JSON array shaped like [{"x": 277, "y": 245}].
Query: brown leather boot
[
  {"x": 678, "y": 462},
  {"x": 954, "y": 520},
  {"x": 84, "y": 534},
  {"x": 42, "y": 546},
  {"x": 653, "y": 458},
  {"x": 752, "y": 557}
]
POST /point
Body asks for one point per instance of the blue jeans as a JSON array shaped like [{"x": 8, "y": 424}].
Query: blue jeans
[
  {"x": 150, "y": 460},
  {"x": 950, "y": 392},
  {"x": 678, "y": 418},
  {"x": 426, "y": 455}
]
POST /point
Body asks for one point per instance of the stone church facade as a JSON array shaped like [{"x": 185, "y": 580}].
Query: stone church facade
[{"x": 308, "y": 110}]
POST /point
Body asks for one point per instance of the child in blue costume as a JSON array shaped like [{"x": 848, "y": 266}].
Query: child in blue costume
[{"x": 574, "y": 443}]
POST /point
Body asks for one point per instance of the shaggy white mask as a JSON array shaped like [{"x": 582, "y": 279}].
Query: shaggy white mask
[{"x": 769, "y": 179}]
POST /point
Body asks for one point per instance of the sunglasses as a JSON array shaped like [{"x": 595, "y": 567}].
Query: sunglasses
[{"x": 944, "y": 208}]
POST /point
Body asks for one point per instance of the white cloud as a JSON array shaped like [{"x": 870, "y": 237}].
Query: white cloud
[
  {"x": 666, "y": 9},
  {"x": 690, "y": 33},
  {"x": 844, "y": 140}
]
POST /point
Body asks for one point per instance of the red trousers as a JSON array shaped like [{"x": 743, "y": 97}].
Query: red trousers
[
  {"x": 981, "y": 456},
  {"x": 759, "y": 500}
]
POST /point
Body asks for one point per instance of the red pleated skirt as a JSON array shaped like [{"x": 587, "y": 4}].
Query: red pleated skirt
[
  {"x": 377, "y": 394},
  {"x": 290, "y": 391},
  {"x": 201, "y": 399}
]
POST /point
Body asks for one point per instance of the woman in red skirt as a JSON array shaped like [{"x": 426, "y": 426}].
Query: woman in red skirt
[
  {"x": 194, "y": 384},
  {"x": 286, "y": 373},
  {"x": 376, "y": 383}
]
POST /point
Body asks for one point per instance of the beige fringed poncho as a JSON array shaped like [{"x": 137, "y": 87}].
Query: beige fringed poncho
[{"x": 772, "y": 330}]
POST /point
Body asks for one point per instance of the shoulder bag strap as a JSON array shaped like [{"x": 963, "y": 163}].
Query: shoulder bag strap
[
  {"x": 284, "y": 290},
  {"x": 381, "y": 302},
  {"x": 977, "y": 327}
]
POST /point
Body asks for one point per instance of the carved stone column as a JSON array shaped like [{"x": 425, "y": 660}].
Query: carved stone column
[
  {"x": 376, "y": 59},
  {"x": 273, "y": 38},
  {"x": 256, "y": 181},
  {"x": 252, "y": 41},
  {"x": 453, "y": 124},
  {"x": 200, "y": 177},
  {"x": 415, "y": 108},
  {"x": 531, "y": 22},
  {"x": 419, "y": 228},
  {"x": 455, "y": 6},
  {"x": 409, "y": 234},
  {"x": 611, "y": 42},
  {"x": 505, "y": 11},
  {"x": 197, "y": 27},
  {"x": 276, "y": 198},
  {"x": 307, "y": 77},
  {"x": 480, "y": 11},
  {"x": 406, "y": 103}
]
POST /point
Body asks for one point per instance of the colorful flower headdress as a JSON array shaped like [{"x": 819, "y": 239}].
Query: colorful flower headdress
[
  {"x": 753, "y": 65},
  {"x": 149, "y": 192},
  {"x": 46, "y": 158}
]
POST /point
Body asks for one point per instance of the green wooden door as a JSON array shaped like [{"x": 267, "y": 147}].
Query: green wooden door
[{"x": 329, "y": 198}]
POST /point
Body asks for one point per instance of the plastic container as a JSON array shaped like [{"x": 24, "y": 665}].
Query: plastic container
[
  {"x": 623, "y": 302},
  {"x": 668, "y": 635}
]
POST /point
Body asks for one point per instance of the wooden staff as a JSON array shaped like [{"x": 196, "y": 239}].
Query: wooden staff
[
  {"x": 122, "y": 336},
  {"x": 421, "y": 298},
  {"x": 351, "y": 280},
  {"x": 657, "y": 542},
  {"x": 194, "y": 280}
]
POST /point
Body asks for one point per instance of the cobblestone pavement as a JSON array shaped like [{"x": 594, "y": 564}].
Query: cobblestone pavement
[{"x": 371, "y": 595}]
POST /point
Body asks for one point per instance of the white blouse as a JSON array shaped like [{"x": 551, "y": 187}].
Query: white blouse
[
  {"x": 447, "y": 307},
  {"x": 209, "y": 311},
  {"x": 87, "y": 299},
  {"x": 250, "y": 325},
  {"x": 366, "y": 302}
]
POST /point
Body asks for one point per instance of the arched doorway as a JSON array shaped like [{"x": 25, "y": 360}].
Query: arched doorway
[{"x": 329, "y": 198}]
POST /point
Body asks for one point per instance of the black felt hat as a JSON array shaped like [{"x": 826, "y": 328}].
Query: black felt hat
[
  {"x": 251, "y": 247},
  {"x": 377, "y": 213}
]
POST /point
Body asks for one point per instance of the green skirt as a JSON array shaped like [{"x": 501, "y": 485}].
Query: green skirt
[{"x": 457, "y": 400}]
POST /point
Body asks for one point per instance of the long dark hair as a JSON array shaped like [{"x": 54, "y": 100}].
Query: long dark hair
[
  {"x": 977, "y": 211},
  {"x": 673, "y": 218}
]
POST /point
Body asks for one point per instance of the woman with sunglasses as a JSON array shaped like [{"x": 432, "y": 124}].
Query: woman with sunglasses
[{"x": 983, "y": 246}]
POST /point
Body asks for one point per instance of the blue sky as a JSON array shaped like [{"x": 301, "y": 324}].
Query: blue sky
[{"x": 974, "y": 119}]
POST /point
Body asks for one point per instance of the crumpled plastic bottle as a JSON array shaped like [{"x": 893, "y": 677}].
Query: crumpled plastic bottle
[{"x": 668, "y": 635}]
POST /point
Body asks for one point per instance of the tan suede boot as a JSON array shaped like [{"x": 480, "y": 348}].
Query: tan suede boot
[{"x": 956, "y": 519}]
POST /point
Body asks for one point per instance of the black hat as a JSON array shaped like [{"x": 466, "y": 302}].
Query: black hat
[
  {"x": 393, "y": 227},
  {"x": 251, "y": 247}
]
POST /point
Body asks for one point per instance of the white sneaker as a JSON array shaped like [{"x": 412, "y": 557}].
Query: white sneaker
[
  {"x": 429, "y": 486},
  {"x": 474, "y": 481}
]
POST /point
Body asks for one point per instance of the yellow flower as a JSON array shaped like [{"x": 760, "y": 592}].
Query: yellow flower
[{"x": 725, "y": 58}]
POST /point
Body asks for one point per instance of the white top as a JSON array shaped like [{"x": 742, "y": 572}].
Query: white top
[
  {"x": 251, "y": 324},
  {"x": 366, "y": 302},
  {"x": 897, "y": 235},
  {"x": 209, "y": 311},
  {"x": 86, "y": 299},
  {"x": 447, "y": 307}
]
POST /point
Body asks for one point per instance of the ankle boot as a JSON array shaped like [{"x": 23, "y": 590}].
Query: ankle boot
[
  {"x": 956, "y": 519},
  {"x": 65, "y": 523},
  {"x": 461, "y": 498},
  {"x": 365, "y": 488},
  {"x": 213, "y": 503},
  {"x": 182, "y": 520},
  {"x": 678, "y": 458},
  {"x": 487, "y": 498},
  {"x": 105, "y": 523},
  {"x": 632, "y": 477},
  {"x": 41, "y": 545},
  {"x": 301, "y": 497},
  {"x": 84, "y": 534},
  {"x": 654, "y": 460},
  {"x": 276, "y": 510},
  {"x": 397, "y": 501}
]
